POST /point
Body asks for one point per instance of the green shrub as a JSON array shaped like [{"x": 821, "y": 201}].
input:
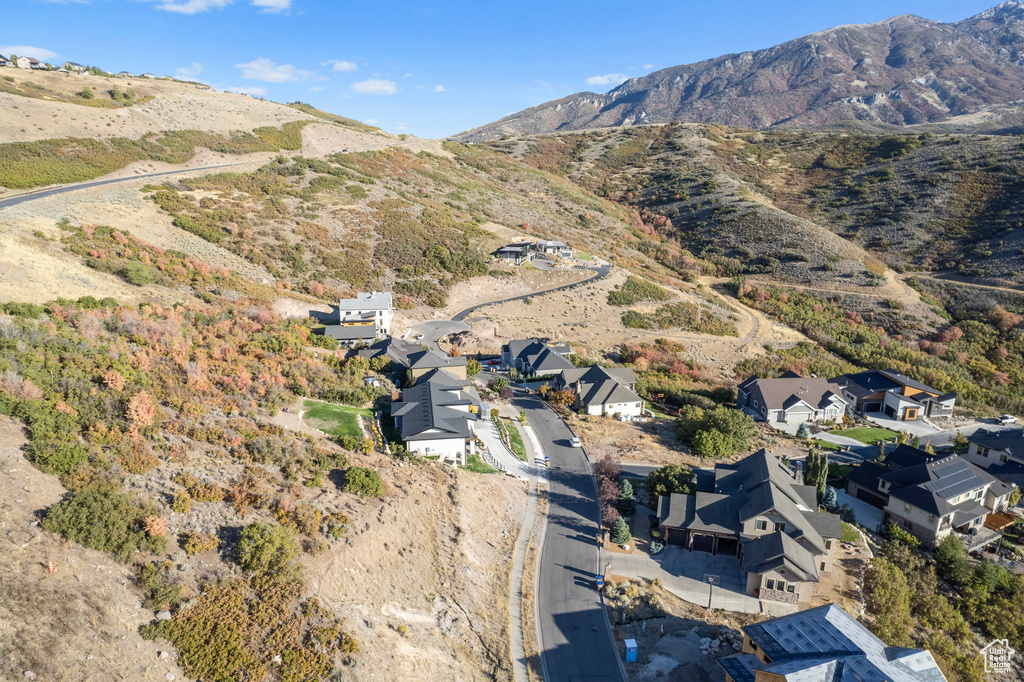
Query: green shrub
[
  {"x": 102, "y": 519},
  {"x": 158, "y": 589},
  {"x": 635, "y": 290},
  {"x": 363, "y": 482},
  {"x": 265, "y": 548},
  {"x": 137, "y": 273}
]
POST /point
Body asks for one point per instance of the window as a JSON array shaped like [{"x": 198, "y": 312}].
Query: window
[
  {"x": 792, "y": 586},
  {"x": 983, "y": 452},
  {"x": 822, "y": 566},
  {"x": 780, "y": 527},
  {"x": 931, "y": 517},
  {"x": 828, "y": 544},
  {"x": 761, "y": 524},
  {"x": 770, "y": 584},
  {"x": 781, "y": 586}
]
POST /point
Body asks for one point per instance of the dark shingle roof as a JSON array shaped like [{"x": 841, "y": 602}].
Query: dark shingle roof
[
  {"x": 351, "y": 332},
  {"x": 600, "y": 385},
  {"x": 1008, "y": 439},
  {"x": 777, "y": 550},
  {"x": 787, "y": 391},
  {"x": 431, "y": 359},
  {"x": 930, "y": 486},
  {"x": 428, "y": 411}
]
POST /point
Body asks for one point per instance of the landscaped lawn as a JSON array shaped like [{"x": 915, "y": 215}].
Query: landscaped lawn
[
  {"x": 866, "y": 435},
  {"x": 583, "y": 255},
  {"x": 826, "y": 445},
  {"x": 477, "y": 465},
  {"x": 335, "y": 420},
  {"x": 658, "y": 412},
  {"x": 515, "y": 440},
  {"x": 849, "y": 534}
]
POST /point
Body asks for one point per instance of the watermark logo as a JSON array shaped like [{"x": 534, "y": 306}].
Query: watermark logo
[{"x": 998, "y": 655}]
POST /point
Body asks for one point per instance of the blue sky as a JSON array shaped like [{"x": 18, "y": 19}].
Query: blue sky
[{"x": 427, "y": 68}]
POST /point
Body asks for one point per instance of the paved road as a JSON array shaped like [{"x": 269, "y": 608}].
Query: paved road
[
  {"x": 601, "y": 271},
  {"x": 575, "y": 637}
]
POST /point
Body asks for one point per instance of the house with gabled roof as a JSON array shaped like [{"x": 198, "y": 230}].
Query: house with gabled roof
[
  {"x": 533, "y": 357},
  {"x": 424, "y": 361},
  {"x": 1000, "y": 453},
  {"x": 758, "y": 512},
  {"x": 863, "y": 481},
  {"x": 897, "y": 396},
  {"x": 943, "y": 496},
  {"x": 74, "y": 67},
  {"x": 600, "y": 390},
  {"x": 368, "y": 308},
  {"x": 824, "y": 644},
  {"x": 436, "y": 416},
  {"x": 4, "y": 61},
  {"x": 791, "y": 399}
]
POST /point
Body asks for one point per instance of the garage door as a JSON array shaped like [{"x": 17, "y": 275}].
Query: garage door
[
  {"x": 729, "y": 546},
  {"x": 871, "y": 498},
  {"x": 675, "y": 536},
  {"x": 703, "y": 543},
  {"x": 872, "y": 407}
]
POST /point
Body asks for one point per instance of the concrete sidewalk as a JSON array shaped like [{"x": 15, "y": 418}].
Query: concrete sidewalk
[{"x": 488, "y": 433}]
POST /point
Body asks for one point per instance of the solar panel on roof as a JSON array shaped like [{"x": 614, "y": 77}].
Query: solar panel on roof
[{"x": 954, "y": 479}]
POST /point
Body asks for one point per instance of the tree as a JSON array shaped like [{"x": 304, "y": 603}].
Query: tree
[
  {"x": 86, "y": 93},
  {"x": 673, "y": 478},
  {"x": 363, "y": 482},
  {"x": 609, "y": 513},
  {"x": 888, "y": 597},
  {"x": 608, "y": 467},
  {"x": 499, "y": 383},
  {"x": 620, "y": 532},
  {"x": 711, "y": 443},
  {"x": 804, "y": 431},
  {"x": 268, "y": 548},
  {"x": 894, "y": 532},
  {"x": 816, "y": 470},
  {"x": 505, "y": 393},
  {"x": 565, "y": 397},
  {"x": 960, "y": 443},
  {"x": 473, "y": 367},
  {"x": 734, "y": 430},
  {"x": 627, "y": 498},
  {"x": 830, "y": 500},
  {"x": 951, "y": 559}
]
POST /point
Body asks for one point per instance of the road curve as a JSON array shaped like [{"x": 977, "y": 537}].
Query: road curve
[
  {"x": 572, "y": 626},
  {"x": 602, "y": 271}
]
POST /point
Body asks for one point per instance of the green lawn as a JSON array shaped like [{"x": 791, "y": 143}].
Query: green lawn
[
  {"x": 849, "y": 534},
  {"x": 825, "y": 445},
  {"x": 583, "y": 255},
  {"x": 335, "y": 420},
  {"x": 477, "y": 465},
  {"x": 515, "y": 440},
  {"x": 866, "y": 435},
  {"x": 658, "y": 412}
]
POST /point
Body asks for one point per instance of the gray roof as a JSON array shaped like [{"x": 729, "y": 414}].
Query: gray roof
[
  {"x": 428, "y": 410},
  {"x": 396, "y": 349},
  {"x": 376, "y": 300},
  {"x": 787, "y": 391},
  {"x": 432, "y": 359},
  {"x": 1011, "y": 440},
  {"x": 702, "y": 512},
  {"x": 351, "y": 332},
  {"x": 776, "y": 551},
  {"x": 932, "y": 485},
  {"x": 880, "y": 380},
  {"x": 549, "y": 361},
  {"x": 527, "y": 349},
  {"x": 826, "y": 644},
  {"x": 598, "y": 385}
]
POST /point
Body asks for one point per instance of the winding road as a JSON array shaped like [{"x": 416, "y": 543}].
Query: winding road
[{"x": 602, "y": 271}]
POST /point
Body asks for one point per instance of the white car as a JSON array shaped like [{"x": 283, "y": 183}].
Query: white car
[
  {"x": 575, "y": 442},
  {"x": 1007, "y": 419},
  {"x": 419, "y": 336}
]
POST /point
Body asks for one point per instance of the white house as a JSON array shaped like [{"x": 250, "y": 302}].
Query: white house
[
  {"x": 437, "y": 415},
  {"x": 30, "y": 63},
  {"x": 74, "y": 67},
  {"x": 791, "y": 399},
  {"x": 602, "y": 391},
  {"x": 375, "y": 308}
]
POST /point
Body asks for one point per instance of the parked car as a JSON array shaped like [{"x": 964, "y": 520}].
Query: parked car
[
  {"x": 575, "y": 442},
  {"x": 491, "y": 363},
  {"x": 1007, "y": 419},
  {"x": 419, "y": 336}
]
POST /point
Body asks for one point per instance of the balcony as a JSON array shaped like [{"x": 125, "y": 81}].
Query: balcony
[{"x": 983, "y": 537}]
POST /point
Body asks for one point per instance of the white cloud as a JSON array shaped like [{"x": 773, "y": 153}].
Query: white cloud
[
  {"x": 401, "y": 126},
  {"x": 318, "y": 88},
  {"x": 187, "y": 72},
  {"x": 341, "y": 65},
  {"x": 264, "y": 69},
  {"x": 438, "y": 88},
  {"x": 191, "y": 6},
  {"x": 372, "y": 121},
  {"x": 648, "y": 66},
  {"x": 375, "y": 86},
  {"x": 272, "y": 5},
  {"x": 40, "y": 53},
  {"x": 408, "y": 75},
  {"x": 608, "y": 79},
  {"x": 255, "y": 92}
]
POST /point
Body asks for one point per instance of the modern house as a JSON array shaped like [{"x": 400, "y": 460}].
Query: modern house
[
  {"x": 895, "y": 395},
  {"x": 1000, "y": 453},
  {"x": 351, "y": 335},
  {"x": 533, "y": 357},
  {"x": 824, "y": 644},
  {"x": 554, "y": 248},
  {"x": 942, "y": 496},
  {"x": 424, "y": 361},
  {"x": 791, "y": 399},
  {"x": 602, "y": 391},
  {"x": 376, "y": 309},
  {"x": 74, "y": 67},
  {"x": 758, "y": 512},
  {"x": 515, "y": 254},
  {"x": 4, "y": 61},
  {"x": 436, "y": 417}
]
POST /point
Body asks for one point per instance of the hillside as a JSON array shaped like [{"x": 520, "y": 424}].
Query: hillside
[{"x": 902, "y": 71}]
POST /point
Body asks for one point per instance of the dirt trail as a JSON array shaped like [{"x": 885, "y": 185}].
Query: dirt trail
[{"x": 941, "y": 280}]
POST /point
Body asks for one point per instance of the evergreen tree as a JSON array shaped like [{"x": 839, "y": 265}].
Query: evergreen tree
[
  {"x": 816, "y": 470},
  {"x": 620, "y": 532},
  {"x": 830, "y": 500},
  {"x": 627, "y": 497}
]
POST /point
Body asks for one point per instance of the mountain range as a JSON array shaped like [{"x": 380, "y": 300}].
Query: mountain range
[{"x": 902, "y": 71}]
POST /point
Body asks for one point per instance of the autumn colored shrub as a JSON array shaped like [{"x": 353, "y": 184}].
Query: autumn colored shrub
[{"x": 197, "y": 543}]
